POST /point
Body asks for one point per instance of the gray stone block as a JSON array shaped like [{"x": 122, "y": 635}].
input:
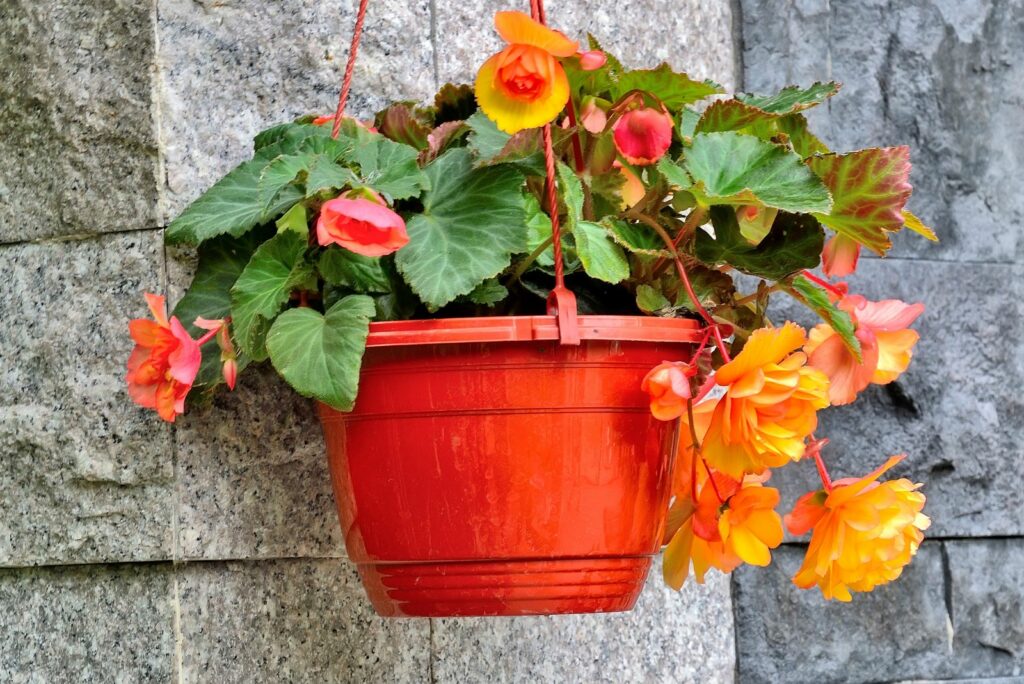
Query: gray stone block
[
  {"x": 987, "y": 578},
  {"x": 77, "y": 132},
  {"x": 668, "y": 637},
  {"x": 945, "y": 78},
  {"x": 292, "y": 621},
  {"x": 87, "y": 624},
  {"x": 252, "y": 476},
  {"x": 232, "y": 69},
  {"x": 696, "y": 38},
  {"x": 86, "y": 476},
  {"x": 899, "y": 631},
  {"x": 957, "y": 412}
]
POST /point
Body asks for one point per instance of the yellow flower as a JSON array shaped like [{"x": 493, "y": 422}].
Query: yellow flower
[
  {"x": 770, "y": 404},
  {"x": 865, "y": 533},
  {"x": 524, "y": 86}
]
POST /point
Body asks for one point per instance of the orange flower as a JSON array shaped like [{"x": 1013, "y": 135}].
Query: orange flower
[
  {"x": 865, "y": 533},
  {"x": 643, "y": 135},
  {"x": 886, "y": 346},
  {"x": 164, "y": 363},
  {"x": 668, "y": 384},
  {"x": 361, "y": 226},
  {"x": 839, "y": 258},
  {"x": 749, "y": 526},
  {"x": 770, "y": 404},
  {"x": 524, "y": 86}
]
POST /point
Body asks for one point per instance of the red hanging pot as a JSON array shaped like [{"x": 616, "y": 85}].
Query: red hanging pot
[{"x": 489, "y": 470}]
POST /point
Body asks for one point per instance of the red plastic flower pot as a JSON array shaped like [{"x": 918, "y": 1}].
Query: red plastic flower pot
[{"x": 489, "y": 470}]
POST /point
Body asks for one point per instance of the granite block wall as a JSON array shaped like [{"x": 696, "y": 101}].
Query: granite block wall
[
  {"x": 210, "y": 551},
  {"x": 944, "y": 77}
]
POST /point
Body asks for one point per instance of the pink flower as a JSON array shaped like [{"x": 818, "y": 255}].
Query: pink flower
[
  {"x": 592, "y": 60},
  {"x": 885, "y": 340},
  {"x": 228, "y": 358},
  {"x": 643, "y": 135},
  {"x": 668, "y": 384},
  {"x": 593, "y": 118},
  {"x": 361, "y": 226},
  {"x": 839, "y": 258},
  {"x": 164, "y": 362}
]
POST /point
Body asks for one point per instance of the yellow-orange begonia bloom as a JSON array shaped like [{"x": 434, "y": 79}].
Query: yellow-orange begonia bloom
[
  {"x": 769, "y": 407},
  {"x": 524, "y": 86},
  {"x": 865, "y": 533}
]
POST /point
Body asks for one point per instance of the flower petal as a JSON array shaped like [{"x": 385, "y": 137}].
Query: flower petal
[{"x": 519, "y": 28}]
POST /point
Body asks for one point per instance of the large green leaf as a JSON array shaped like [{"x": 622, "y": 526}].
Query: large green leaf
[
  {"x": 320, "y": 354},
  {"x": 601, "y": 257},
  {"x": 341, "y": 267},
  {"x": 791, "y": 99},
  {"x": 390, "y": 168},
  {"x": 730, "y": 168},
  {"x": 803, "y": 141},
  {"x": 817, "y": 300},
  {"x": 674, "y": 89},
  {"x": 472, "y": 222},
  {"x": 793, "y": 244},
  {"x": 730, "y": 115},
  {"x": 869, "y": 188},
  {"x": 485, "y": 138},
  {"x": 263, "y": 288},
  {"x": 636, "y": 237}
]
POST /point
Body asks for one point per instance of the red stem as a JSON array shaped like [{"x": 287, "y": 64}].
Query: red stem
[
  {"x": 815, "y": 447},
  {"x": 577, "y": 147},
  {"x": 824, "y": 283}
]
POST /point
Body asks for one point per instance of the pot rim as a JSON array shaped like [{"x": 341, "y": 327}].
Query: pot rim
[{"x": 531, "y": 328}]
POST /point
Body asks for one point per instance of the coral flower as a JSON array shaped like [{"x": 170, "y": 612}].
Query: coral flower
[
  {"x": 770, "y": 404},
  {"x": 839, "y": 258},
  {"x": 643, "y": 135},
  {"x": 164, "y": 363},
  {"x": 865, "y": 533},
  {"x": 885, "y": 340},
  {"x": 591, "y": 60},
  {"x": 668, "y": 384},
  {"x": 524, "y": 86},
  {"x": 633, "y": 189},
  {"x": 361, "y": 226}
]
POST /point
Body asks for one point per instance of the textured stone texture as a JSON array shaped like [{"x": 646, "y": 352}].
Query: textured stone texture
[
  {"x": 957, "y": 412},
  {"x": 669, "y": 637},
  {"x": 86, "y": 624},
  {"x": 85, "y": 476},
  {"x": 76, "y": 126},
  {"x": 292, "y": 621},
  {"x": 231, "y": 69},
  {"x": 955, "y": 612},
  {"x": 944, "y": 77},
  {"x": 693, "y": 36},
  {"x": 252, "y": 476}
]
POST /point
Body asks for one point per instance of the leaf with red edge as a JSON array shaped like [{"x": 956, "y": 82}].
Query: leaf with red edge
[
  {"x": 730, "y": 115},
  {"x": 792, "y": 98},
  {"x": 404, "y": 123},
  {"x": 869, "y": 188}
]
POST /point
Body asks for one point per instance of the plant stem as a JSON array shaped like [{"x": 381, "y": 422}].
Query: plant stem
[
  {"x": 695, "y": 218},
  {"x": 525, "y": 264},
  {"x": 694, "y": 450},
  {"x": 824, "y": 283},
  {"x": 815, "y": 447},
  {"x": 577, "y": 148},
  {"x": 753, "y": 296},
  {"x": 210, "y": 334}
]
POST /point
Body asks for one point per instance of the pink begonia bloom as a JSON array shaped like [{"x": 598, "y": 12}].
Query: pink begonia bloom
[
  {"x": 643, "y": 135},
  {"x": 361, "y": 226},
  {"x": 592, "y": 60},
  {"x": 839, "y": 258}
]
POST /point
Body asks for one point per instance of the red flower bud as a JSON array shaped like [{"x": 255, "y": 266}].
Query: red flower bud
[{"x": 643, "y": 135}]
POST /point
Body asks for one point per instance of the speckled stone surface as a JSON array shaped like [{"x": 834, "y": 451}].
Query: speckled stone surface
[
  {"x": 944, "y": 77},
  {"x": 85, "y": 475},
  {"x": 669, "y": 637},
  {"x": 252, "y": 476},
  {"x": 292, "y": 621},
  {"x": 954, "y": 613},
  {"x": 957, "y": 412},
  {"x": 87, "y": 624},
  {"x": 692, "y": 36},
  {"x": 230, "y": 69},
  {"x": 77, "y": 134}
]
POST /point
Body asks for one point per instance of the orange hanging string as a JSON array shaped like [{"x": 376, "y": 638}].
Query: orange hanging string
[{"x": 346, "y": 82}]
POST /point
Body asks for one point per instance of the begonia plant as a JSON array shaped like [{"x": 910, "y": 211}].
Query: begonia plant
[{"x": 672, "y": 197}]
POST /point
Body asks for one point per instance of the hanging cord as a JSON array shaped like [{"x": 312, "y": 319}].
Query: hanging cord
[
  {"x": 561, "y": 301},
  {"x": 346, "y": 83}
]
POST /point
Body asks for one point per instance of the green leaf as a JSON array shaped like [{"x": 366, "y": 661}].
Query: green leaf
[
  {"x": 674, "y": 174},
  {"x": 472, "y": 222},
  {"x": 357, "y": 272},
  {"x": 405, "y": 123},
  {"x": 869, "y": 188},
  {"x": 674, "y": 89},
  {"x": 915, "y": 224},
  {"x": 650, "y": 300},
  {"x": 390, "y": 168},
  {"x": 791, "y": 98},
  {"x": 730, "y": 115},
  {"x": 295, "y": 219},
  {"x": 793, "y": 244},
  {"x": 454, "y": 103},
  {"x": 817, "y": 300},
  {"x": 730, "y": 168},
  {"x": 485, "y": 139},
  {"x": 538, "y": 229},
  {"x": 320, "y": 354},
  {"x": 264, "y": 287},
  {"x": 686, "y": 122},
  {"x": 325, "y": 174},
  {"x": 488, "y": 293},
  {"x": 600, "y": 256},
  {"x": 636, "y": 237},
  {"x": 287, "y": 137},
  {"x": 804, "y": 142}
]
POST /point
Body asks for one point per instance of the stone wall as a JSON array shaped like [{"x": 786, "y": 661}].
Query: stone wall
[
  {"x": 131, "y": 550},
  {"x": 947, "y": 78}
]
